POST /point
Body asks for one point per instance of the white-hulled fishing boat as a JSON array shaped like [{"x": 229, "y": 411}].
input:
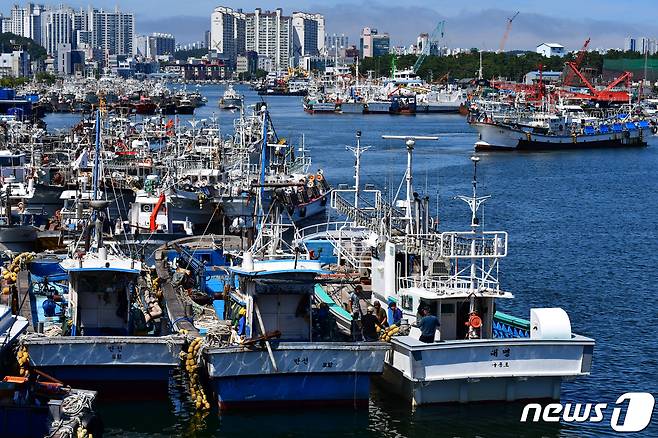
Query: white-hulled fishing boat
[{"x": 478, "y": 353}]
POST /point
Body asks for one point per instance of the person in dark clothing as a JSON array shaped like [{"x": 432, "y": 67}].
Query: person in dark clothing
[
  {"x": 380, "y": 314},
  {"x": 369, "y": 324},
  {"x": 427, "y": 325},
  {"x": 49, "y": 306},
  {"x": 355, "y": 328},
  {"x": 396, "y": 314}
]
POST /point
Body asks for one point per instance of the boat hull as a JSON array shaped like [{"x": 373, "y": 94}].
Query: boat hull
[
  {"x": 305, "y": 373},
  {"x": 230, "y": 103},
  {"x": 485, "y": 370},
  {"x": 20, "y": 238},
  {"x": 496, "y": 137},
  {"x": 112, "y": 364}
]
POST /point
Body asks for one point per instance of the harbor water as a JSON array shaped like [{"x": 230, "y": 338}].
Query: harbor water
[{"x": 583, "y": 236}]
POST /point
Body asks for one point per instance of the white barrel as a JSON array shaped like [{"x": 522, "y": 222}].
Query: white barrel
[
  {"x": 247, "y": 261},
  {"x": 549, "y": 323}
]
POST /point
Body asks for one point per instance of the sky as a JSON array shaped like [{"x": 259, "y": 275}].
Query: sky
[{"x": 472, "y": 23}]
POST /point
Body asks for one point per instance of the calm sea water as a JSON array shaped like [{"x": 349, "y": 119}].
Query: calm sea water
[{"x": 583, "y": 236}]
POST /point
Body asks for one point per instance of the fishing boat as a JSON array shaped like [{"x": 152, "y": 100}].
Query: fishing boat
[
  {"x": 107, "y": 329},
  {"x": 478, "y": 353},
  {"x": 564, "y": 130},
  {"x": 145, "y": 106},
  {"x": 230, "y": 100}
]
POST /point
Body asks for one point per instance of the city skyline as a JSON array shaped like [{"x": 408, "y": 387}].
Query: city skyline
[{"x": 564, "y": 22}]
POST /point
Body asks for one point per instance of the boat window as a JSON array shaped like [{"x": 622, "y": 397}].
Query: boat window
[
  {"x": 5, "y": 161},
  {"x": 447, "y": 308},
  {"x": 407, "y": 302}
]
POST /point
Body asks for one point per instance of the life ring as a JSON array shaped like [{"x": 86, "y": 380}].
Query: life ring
[
  {"x": 474, "y": 321},
  {"x": 311, "y": 177},
  {"x": 319, "y": 177}
]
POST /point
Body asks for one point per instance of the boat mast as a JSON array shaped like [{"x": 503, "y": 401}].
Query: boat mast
[
  {"x": 357, "y": 151},
  {"x": 474, "y": 203},
  {"x": 97, "y": 153}
]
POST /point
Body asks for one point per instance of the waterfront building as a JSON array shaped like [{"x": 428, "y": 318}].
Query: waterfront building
[
  {"x": 247, "y": 63},
  {"x": 15, "y": 64},
  {"x": 630, "y": 44},
  {"x": 373, "y": 43},
  {"x": 335, "y": 41},
  {"x": 550, "y": 49},
  {"x": 308, "y": 35},
  {"x": 69, "y": 59}
]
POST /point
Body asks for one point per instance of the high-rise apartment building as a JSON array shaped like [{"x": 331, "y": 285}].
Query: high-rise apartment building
[
  {"x": 56, "y": 28},
  {"x": 112, "y": 32},
  {"x": 26, "y": 21},
  {"x": 275, "y": 37},
  {"x": 270, "y": 34},
  {"x": 307, "y": 35},
  {"x": 228, "y": 33}
]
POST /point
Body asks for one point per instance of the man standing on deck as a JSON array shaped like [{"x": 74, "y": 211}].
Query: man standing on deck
[
  {"x": 355, "y": 298},
  {"x": 49, "y": 306},
  {"x": 427, "y": 325},
  {"x": 369, "y": 324},
  {"x": 396, "y": 314}
]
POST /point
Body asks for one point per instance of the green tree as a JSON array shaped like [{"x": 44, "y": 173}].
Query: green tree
[{"x": 10, "y": 41}]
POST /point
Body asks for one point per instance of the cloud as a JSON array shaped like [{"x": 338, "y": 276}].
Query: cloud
[{"x": 481, "y": 28}]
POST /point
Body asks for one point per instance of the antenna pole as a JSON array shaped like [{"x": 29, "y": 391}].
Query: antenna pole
[{"x": 410, "y": 142}]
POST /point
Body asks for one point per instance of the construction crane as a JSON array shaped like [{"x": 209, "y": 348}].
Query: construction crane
[
  {"x": 607, "y": 95},
  {"x": 508, "y": 28},
  {"x": 579, "y": 60},
  {"x": 437, "y": 33}
]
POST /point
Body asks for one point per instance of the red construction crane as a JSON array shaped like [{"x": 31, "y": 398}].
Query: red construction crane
[
  {"x": 508, "y": 28},
  {"x": 579, "y": 60},
  {"x": 607, "y": 94}
]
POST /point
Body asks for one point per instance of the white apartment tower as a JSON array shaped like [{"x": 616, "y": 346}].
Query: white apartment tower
[
  {"x": 112, "y": 32},
  {"x": 56, "y": 28},
  {"x": 26, "y": 21},
  {"x": 270, "y": 34},
  {"x": 228, "y": 33},
  {"x": 308, "y": 35}
]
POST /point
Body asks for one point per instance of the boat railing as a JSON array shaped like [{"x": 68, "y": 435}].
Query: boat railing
[
  {"x": 447, "y": 284},
  {"x": 369, "y": 213},
  {"x": 326, "y": 227},
  {"x": 469, "y": 245}
]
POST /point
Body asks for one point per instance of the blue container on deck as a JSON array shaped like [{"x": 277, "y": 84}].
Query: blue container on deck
[
  {"x": 33, "y": 98},
  {"x": 7, "y": 94}
]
